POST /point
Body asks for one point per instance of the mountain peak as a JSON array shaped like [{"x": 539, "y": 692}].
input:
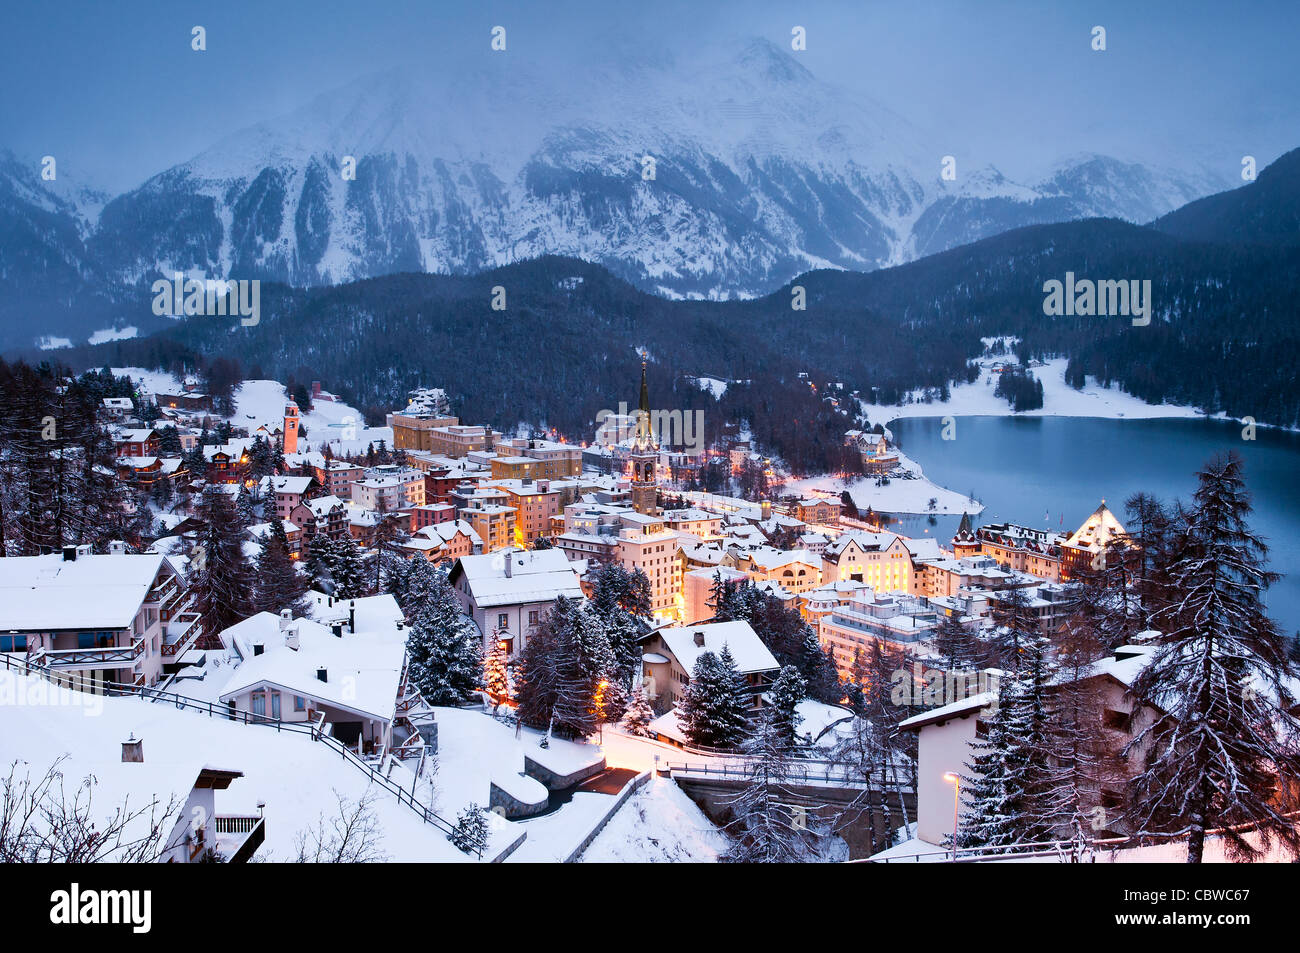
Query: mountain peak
[{"x": 770, "y": 62}]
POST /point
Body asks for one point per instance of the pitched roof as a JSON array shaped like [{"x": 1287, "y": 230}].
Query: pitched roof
[
  {"x": 92, "y": 592},
  {"x": 534, "y": 576},
  {"x": 746, "y": 647}
]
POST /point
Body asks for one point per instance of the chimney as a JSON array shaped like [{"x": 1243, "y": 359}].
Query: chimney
[
  {"x": 352, "y": 616},
  {"x": 133, "y": 750},
  {"x": 117, "y": 547},
  {"x": 699, "y": 639},
  {"x": 258, "y": 649},
  {"x": 69, "y": 554},
  {"x": 286, "y": 617},
  {"x": 322, "y": 675},
  {"x": 337, "y": 629},
  {"x": 291, "y": 637}
]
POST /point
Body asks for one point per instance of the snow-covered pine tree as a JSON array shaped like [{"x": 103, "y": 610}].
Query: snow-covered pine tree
[
  {"x": 223, "y": 584},
  {"x": 470, "y": 834},
  {"x": 954, "y": 643},
  {"x": 1225, "y": 752},
  {"x": 990, "y": 794},
  {"x": 559, "y": 675},
  {"x": 277, "y": 583},
  {"x": 713, "y": 706},
  {"x": 348, "y": 569},
  {"x": 786, "y": 693},
  {"x": 817, "y": 668},
  {"x": 246, "y": 509},
  {"x": 639, "y": 714},
  {"x": 496, "y": 678},
  {"x": 320, "y": 562},
  {"x": 445, "y": 657},
  {"x": 1013, "y": 626},
  {"x": 1013, "y": 775}
]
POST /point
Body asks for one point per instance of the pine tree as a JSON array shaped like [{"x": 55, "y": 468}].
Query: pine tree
[
  {"x": 445, "y": 657},
  {"x": 471, "y": 833},
  {"x": 786, "y": 693},
  {"x": 558, "y": 678},
  {"x": 1013, "y": 627},
  {"x": 1013, "y": 776},
  {"x": 712, "y": 708},
  {"x": 278, "y": 584},
  {"x": 495, "y": 675},
  {"x": 347, "y": 569},
  {"x": 223, "y": 584},
  {"x": 1225, "y": 752},
  {"x": 954, "y": 643},
  {"x": 639, "y": 714}
]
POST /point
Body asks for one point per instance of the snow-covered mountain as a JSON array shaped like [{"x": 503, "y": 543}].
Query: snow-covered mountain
[{"x": 760, "y": 171}]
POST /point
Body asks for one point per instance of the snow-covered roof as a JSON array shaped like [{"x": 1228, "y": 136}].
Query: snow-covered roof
[
  {"x": 746, "y": 647},
  {"x": 362, "y": 669},
  {"x": 287, "y": 484},
  {"x": 964, "y": 706},
  {"x": 512, "y": 576},
  {"x": 41, "y": 593}
]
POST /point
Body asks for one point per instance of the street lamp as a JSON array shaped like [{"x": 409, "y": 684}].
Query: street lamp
[{"x": 955, "y": 781}]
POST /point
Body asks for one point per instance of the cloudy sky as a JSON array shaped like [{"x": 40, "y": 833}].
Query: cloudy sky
[{"x": 116, "y": 92}]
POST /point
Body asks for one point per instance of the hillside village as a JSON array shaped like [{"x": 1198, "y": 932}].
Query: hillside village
[{"x": 482, "y": 647}]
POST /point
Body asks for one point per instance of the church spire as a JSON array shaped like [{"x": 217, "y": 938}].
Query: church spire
[{"x": 644, "y": 405}]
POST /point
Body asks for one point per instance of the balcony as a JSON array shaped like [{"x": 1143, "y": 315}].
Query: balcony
[
  {"x": 102, "y": 657},
  {"x": 236, "y": 837},
  {"x": 163, "y": 594},
  {"x": 182, "y": 632}
]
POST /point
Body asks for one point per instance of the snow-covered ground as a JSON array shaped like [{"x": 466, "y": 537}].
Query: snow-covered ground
[
  {"x": 330, "y": 421},
  {"x": 51, "y": 343},
  {"x": 155, "y": 382},
  {"x": 104, "y": 335},
  {"x": 658, "y": 823},
  {"x": 898, "y": 496},
  {"x": 1059, "y": 400},
  {"x": 295, "y": 777},
  {"x": 259, "y": 402},
  {"x": 475, "y": 749}
]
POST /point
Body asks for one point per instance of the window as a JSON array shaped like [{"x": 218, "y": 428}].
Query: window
[
  {"x": 13, "y": 643},
  {"x": 1115, "y": 720},
  {"x": 503, "y": 621},
  {"x": 299, "y": 703},
  {"x": 259, "y": 703},
  {"x": 532, "y": 617},
  {"x": 275, "y": 704}
]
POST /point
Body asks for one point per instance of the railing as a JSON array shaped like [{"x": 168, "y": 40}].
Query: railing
[
  {"x": 315, "y": 730},
  {"x": 187, "y": 637},
  {"x": 247, "y": 847},
  {"x": 118, "y": 655},
  {"x": 235, "y": 823},
  {"x": 810, "y": 770},
  {"x": 163, "y": 594}
]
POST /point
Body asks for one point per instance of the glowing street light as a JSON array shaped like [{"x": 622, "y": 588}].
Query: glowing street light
[{"x": 955, "y": 781}]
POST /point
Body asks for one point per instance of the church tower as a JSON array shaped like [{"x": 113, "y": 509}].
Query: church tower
[
  {"x": 291, "y": 428},
  {"x": 645, "y": 493},
  {"x": 965, "y": 543}
]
